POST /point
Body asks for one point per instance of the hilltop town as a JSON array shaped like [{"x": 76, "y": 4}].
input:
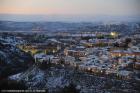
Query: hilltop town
[{"x": 63, "y": 57}]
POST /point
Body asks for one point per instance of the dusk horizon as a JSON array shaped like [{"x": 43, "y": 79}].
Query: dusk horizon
[{"x": 67, "y": 18}]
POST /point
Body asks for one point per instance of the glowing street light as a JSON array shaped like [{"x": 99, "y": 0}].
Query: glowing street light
[{"x": 113, "y": 34}]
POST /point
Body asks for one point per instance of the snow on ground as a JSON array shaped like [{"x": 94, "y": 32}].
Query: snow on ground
[
  {"x": 54, "y": 82},
  {"x": 15, "y": 77},
  {"x": 55, "y": 79}
]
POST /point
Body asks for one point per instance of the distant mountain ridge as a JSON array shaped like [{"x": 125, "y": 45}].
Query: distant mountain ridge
[
  {"x": 68, "y": 26},
  {"x": 68, "y": 18},
  {"x": 40, "y": 26}
]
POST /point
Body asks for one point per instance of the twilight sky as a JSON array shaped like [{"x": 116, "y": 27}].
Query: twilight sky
[{"x": 71, "y": 7}]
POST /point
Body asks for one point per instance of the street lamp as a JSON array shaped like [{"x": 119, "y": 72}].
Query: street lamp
[{"x": 113, "y": 34}]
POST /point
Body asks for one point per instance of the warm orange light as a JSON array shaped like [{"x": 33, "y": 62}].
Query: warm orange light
[{"x": 113, "y": 33}]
